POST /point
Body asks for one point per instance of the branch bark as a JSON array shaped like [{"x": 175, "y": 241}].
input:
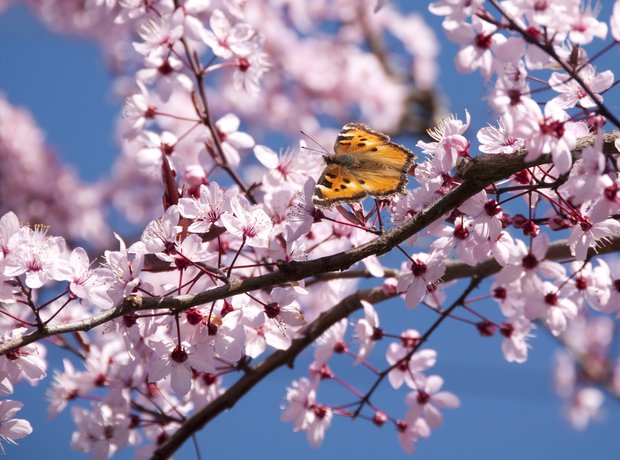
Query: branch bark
[
  {"x": 477, "y": 174},
  {"x": 454, "y": 270}
]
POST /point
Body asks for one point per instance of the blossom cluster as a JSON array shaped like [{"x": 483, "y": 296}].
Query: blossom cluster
[
  {"x": 254, "y": 56},
  {"x": 39, "y": 188},
  {"x": 237, "y": 213}
]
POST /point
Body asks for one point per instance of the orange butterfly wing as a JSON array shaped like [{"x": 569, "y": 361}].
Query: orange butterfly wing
[
  {"x": 337, "y": 185},
  {"x": 361, "y": 141},
  {"x": 369, "y": 161}
]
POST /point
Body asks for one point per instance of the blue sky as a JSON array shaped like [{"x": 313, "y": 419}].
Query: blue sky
[{"x": 509, "y": 411}]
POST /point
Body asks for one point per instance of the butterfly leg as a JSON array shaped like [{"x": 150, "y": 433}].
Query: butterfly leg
[{"x": 379, "y": 207}]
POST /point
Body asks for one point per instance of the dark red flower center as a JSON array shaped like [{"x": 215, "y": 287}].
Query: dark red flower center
[
  {"x": 179, "y": 355},
  {"x": 272, "y": 310},
  {"x": 484, "y": 41},
  {"x": 529, "y": 262},
  {"x": 418, "y": 268},
  {"x": 552, "y": 128}
]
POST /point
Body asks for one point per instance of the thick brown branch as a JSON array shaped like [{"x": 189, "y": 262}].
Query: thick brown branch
[
  {"x": 477, "y": 175},
  {"x": 266, "y": 367},
  {"x": 454, "y": 270}
]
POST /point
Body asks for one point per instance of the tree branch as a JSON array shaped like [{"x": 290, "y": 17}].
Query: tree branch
[
  {"x": 454, "y": 270},
  {"x": 477, "y": 174}
]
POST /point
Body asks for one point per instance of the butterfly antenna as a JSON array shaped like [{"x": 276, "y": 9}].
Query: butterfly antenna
[
  {"x": 314, "y": 150},
  {"x": 323, "y": 150}
]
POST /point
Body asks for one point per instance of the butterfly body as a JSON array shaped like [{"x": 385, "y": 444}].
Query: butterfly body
[{"x": 365, "y": 163}]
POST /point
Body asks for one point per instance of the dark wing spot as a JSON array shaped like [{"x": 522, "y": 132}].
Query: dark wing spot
[
  {"x": 363, "y": 139},
  {"x": 374, "y": 149},
  {"x": 343, "y": 186},
  {"x": 347, "y": 180},
  {"x": 361, "y": 144},
  {"x": 343, "y": 137},
  {"x": 330, "y": 176},
  {"x": 362, "y": 182}
]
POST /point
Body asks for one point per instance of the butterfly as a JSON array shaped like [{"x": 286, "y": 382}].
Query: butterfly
[{"x": 365, "y": 162}]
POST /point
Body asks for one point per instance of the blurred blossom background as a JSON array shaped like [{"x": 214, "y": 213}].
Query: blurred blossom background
[{"x": 65, "y": 162}]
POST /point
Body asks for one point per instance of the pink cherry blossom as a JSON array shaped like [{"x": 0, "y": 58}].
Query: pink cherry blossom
[
  {"x": 511, "y": 95},
  {"x": 572, "y": 93},
  {"x": 160, "y": 235},
  {"x": 205, "y": 210},
  {"x": 367, "y": 332},
  {"x": 137, "y": 111},
  {"x": 226, "y": 40},
  {"x": 606, "y": 201},
  {"x": 65, "y": 387},
  {"x": 590, "y": 285},
  {"x": 426, "y": 401},
  {"x": 12, "y": 428},
  {"x": 409, "y": 371},
  {"x": 305, "y": 413},
  {"x": 585, "y": 26},
  {"x": 156, "y": 148},
  {"x": 290, "y": 169},
  {"x": 302, "y": 214},
  {"x": 158, "y": 35},
  {"x": 40, "y": 257},
  {"x": 527, "y": 266},
  {"x": 284, "y": 307},
  {"x": 206, "y": 389},
  {"x": 330, "y": 342},
  {"x": 564, "y": 374},
  {"x": 260, "y": 333},
  {"x": 10, "y": 238},
  {"x": 410, "y": 433},
  {"x": 584, "y": 407},
  {"x": 487, "y": 213},
  {"x": 220, "y": 335},
  {"x": 608, "y": 273},
  {"x": 176, "y": 362},
  {"x": 299, "y": 396},
  {"x": 231, "y": 139},
  {"x": 165, "y": 74},
  {"x": 27, "y": 362},
  {"x": 455, "y": 9},
  {"x": 449, "y": 143},
  {"x": 250, "y": 223},
  {"x": 423, "y": 269},
  {"x": 552, "y": 133},
  {"x": 318, "y": 426},
  {"x": 586, "y": 235},
  {"x": 192, "y": 11},
  {"x": 587, "y": 180},
  {"x": 516, "y": 332},
  {"x": 249, "y": 71},
  {"x": 497, "y": 140},
  {"x": 591, "y": 335},
  {"x": 614, "y": 21},
  {"x": 460, "y": 239},
  {"x": 556, "y": 311},
  {"x": 83, "y": 278},
  {"x": 103, "y": 430},
  {"x": 551, "y": 14},
  {"x": 478, "y": 40},
  {"x": 118, "y": 276}
]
